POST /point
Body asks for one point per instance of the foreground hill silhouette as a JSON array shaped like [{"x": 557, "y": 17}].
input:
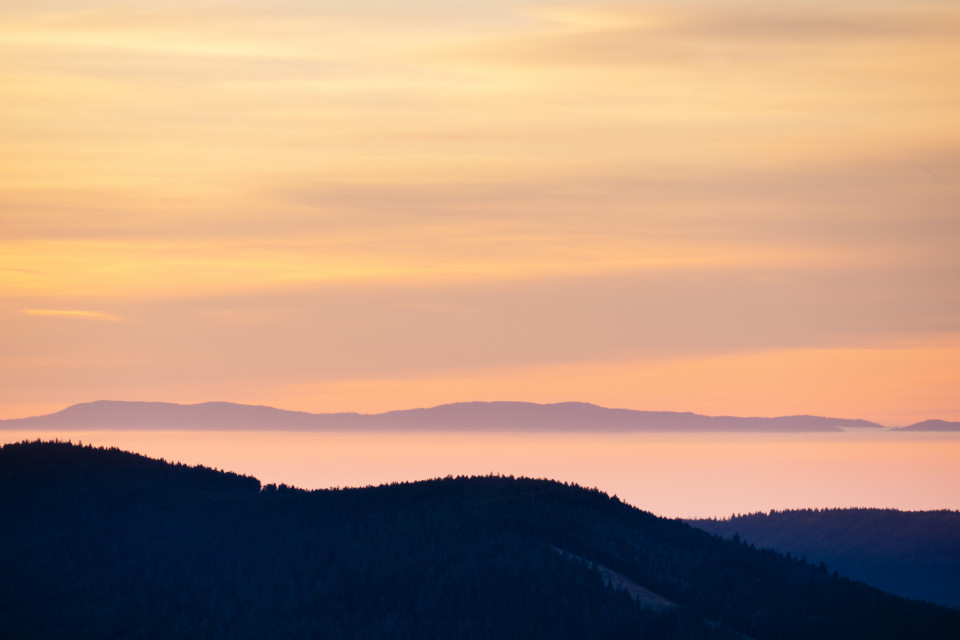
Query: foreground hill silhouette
[
  {"x": 102, "y": 543},
  {"x": 461, "y": 416},
  {"x": 915, "y": 554}
]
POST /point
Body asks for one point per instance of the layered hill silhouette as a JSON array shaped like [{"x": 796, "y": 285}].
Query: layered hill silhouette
[
  {"x": 915, "y": 554},
  {"x": 464, "y": 416},
  {"x": 102, "y": 543},
  {"x": 933, "y": 425}
]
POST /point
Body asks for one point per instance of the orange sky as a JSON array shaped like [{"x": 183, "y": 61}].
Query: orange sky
[{"x": 724, "y": 207}]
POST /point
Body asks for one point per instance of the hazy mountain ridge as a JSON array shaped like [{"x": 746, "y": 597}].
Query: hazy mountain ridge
[
  {"x": 464, "y": 416},
  {"x": 915, "y": 554},
  {"x": 932, "y": 425},
  {"x": 103, "y": 543}
]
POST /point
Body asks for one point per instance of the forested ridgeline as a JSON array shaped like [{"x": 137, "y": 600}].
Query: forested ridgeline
[
  {"x": 915, "y": 554},
  {"x": 102, "y": 543}
]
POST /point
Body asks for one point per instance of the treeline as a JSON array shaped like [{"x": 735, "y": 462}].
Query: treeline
[
  {"x": 915, "y": 554},
  {"x": 101, "y": 543}
]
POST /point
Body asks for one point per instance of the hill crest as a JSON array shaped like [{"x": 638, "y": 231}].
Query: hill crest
[{"x": 103, "y": 543}]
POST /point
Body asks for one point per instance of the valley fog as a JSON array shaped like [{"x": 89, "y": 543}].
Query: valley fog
[{"x": 672, "y": 475}]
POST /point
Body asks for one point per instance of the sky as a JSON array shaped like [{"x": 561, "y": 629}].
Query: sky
[{"x": 741, "y": 208}]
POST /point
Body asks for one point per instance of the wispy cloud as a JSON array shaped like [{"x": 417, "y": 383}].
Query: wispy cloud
[
  {"x": 72, "y": 313},
  {"x": 658, "y": 178}
]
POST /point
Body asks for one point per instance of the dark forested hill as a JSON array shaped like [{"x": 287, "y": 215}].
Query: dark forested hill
[
  {"x": 102, "y": 543},
  {"x": 915, "y": 554}
]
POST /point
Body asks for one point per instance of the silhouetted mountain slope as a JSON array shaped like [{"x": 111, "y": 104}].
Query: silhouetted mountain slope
[
  {"x": 915, "y": 554},
  {"x": 464, "y": 416},
  {"x": 101, "y": 543}
]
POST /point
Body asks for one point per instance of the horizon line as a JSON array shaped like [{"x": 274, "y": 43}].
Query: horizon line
[{"x": 460, "y": 403}]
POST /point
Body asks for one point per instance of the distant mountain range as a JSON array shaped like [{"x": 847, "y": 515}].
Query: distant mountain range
[
  {"x": 933, "y": 425},
  {"x": 462, "y": 416}
]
